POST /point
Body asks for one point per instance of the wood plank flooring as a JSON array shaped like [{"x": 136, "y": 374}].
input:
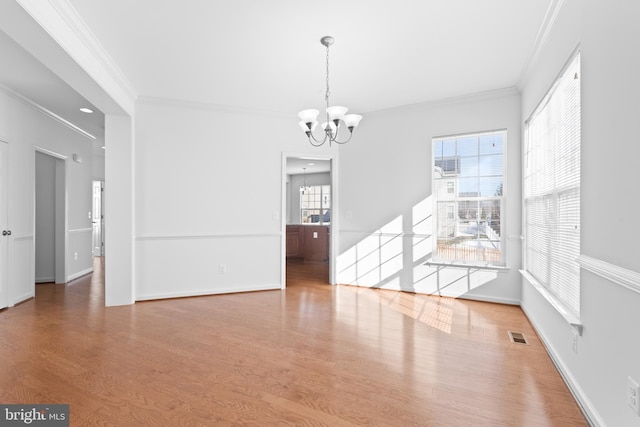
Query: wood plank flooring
[{"x": 309, "y": 356}]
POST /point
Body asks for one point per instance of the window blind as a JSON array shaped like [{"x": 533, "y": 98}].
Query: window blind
[{"x": 551, "y": 189}]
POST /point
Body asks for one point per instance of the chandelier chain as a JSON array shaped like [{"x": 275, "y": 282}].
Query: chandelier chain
[{"x": 326, "y": 95}]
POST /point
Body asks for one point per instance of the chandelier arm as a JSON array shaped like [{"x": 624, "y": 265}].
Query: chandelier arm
[
  {"x": 343, "y": 142},
  {"x": 312, "y": 138}
]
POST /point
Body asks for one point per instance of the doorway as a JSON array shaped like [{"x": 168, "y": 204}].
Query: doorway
[
  {"x": 309, "y": 231},
  {"x": 98, "y": 218},
  {"x": 50, "y": 217}
]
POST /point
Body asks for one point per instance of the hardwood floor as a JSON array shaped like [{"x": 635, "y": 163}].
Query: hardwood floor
[{"x": 311, "y": 355}]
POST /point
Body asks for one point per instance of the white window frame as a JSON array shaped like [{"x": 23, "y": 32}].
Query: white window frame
[
  {"x": 561, "y": 282},
  {"x": 457, "y": 198},
  {"x": 325, "y": 191}
]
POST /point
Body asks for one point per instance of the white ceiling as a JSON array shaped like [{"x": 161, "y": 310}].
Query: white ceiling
[
  {"x": 266, "y": 55},
  {"x": 298, "y": 166},
  {"x": 25, "y": 75}
]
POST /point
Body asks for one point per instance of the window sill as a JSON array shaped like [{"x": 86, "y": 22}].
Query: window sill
[
  {"x": 498, "y": 268},
  {"x": 567, "y": 314}
]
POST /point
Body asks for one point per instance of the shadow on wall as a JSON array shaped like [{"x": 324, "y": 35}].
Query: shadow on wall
[{"x": 394, "y": 257}]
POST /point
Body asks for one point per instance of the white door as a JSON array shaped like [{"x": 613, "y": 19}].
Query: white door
[
  {"x": 5, "y": 233},
  {"x": 98, "y": 219}
]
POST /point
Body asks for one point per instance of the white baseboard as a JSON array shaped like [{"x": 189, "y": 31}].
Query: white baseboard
[
  {"x": 266, "y": 287},
  {"x": 22, "y": 298},
  {"x": 589, "y": 411},
  {"x": 80, "y": 274},
  {"x": 487, "y": 298},
  {"x": 45, "y": 279}
]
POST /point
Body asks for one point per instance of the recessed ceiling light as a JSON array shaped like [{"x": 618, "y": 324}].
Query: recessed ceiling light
[
  {"x": 311, "y": 164},
  {"x": 86, "y": 110},
  {"x": 103, "y": 147}
]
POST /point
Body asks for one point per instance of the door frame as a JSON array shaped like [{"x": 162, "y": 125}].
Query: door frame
[
  {"x": 61, "y": 210},
  {"x": 5, "y": 282},
  {"x": 333, "y": 226},
  {"x": 94, "y": 184}
]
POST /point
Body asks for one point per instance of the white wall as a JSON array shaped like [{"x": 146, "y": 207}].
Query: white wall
[
  {"x": 609, "y": 350},
  {"x": 45, "y": 237},
  {"x": 24, "y": 128},
  {"x": 386, "y": 203},
  {"x": 98, "y": 168},
  {"x": 208, "y": 188},
  {"x": 119, "y": 210}
]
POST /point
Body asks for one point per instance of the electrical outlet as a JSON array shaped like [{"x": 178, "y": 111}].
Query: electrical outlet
[
  {"x": 222, "y": 268},
  {"x": 574, "y": 344},
  {"x": 633, "y": 395},
  {"x": 75, "y": 255}
]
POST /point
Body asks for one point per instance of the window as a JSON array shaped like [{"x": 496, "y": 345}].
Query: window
[
  {"x": 315, "y": 204},
  {"x": 468, "y": 179},
  {"x": 451, "y": 212},
  {"x": 551, "y": 189}
]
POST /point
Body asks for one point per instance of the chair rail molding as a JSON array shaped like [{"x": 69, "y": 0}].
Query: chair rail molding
[{"x": 614, "y": 273}]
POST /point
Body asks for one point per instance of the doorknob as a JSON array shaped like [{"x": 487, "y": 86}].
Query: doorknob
[{"x": 6, "y": 233}]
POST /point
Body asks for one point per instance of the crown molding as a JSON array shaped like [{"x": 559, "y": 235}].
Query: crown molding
[
  {"x": 474, "y": 97},
  {"x": 67, "y": 28},
  {"x": 541, "y": 38},
  {"x": 12, "y": 93}
]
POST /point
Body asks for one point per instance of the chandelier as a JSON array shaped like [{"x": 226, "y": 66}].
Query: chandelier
[
  {"x": 304, "y": 187},
  {"x": 336, "y": 115}
]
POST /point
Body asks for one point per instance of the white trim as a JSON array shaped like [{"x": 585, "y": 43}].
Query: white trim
[
  {"x": 334, "y": 226},
  {"x": 67, "y": 28},
  {"x": 23, "y": 297},
  {"x": 79, "y": 230},
  {"x": 45, "y": 279},
  {"x": 614, "y": 273},
  {"x": 79, "y": 274},
  {"x": 84, "y": 34},
  {"x": 588, "y": 409},
  {"x": 541, "y": 38},
  {"x": 203, "y": 236},
  {"x": 50, "y": 153},
  {"x": 474, "y": 97},
  {"x": 485, "y": 298},
  {"x": 20, "y": 237},
  {"x": 29, "y": 103},
  {"x": 558, "y": 305},
  {"x": 266, "y": 287}
]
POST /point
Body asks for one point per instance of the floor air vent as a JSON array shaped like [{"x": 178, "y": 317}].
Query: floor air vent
[{"x": 517, "y": 338}]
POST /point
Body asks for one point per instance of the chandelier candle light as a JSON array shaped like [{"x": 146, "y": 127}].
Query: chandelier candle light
[{"x": 336, "y": 115}]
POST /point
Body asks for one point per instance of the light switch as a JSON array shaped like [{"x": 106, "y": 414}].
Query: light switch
[{"x": 315, "y": 234}]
